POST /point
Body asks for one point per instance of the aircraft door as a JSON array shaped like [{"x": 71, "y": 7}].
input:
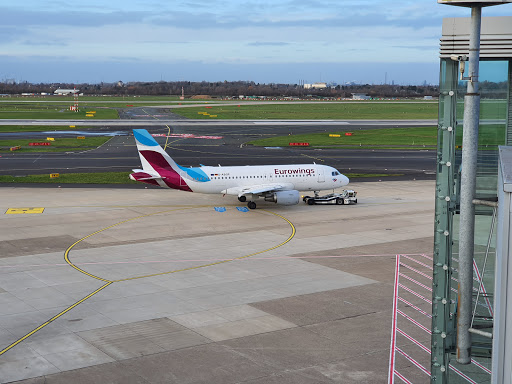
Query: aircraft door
[{"x": 321, "y": 175}]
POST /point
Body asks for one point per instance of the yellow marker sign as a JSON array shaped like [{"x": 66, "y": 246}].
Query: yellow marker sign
[
  {"x": 50, "y": 139},
  {"x": 71, "y": 126},
  {"x": 81, "y": 137},
  {"x": 20, "y": 211},
  {"x": 54, "y": 175},
  {"x": 334, "y": 135},
  {"x": 213, "y": 115},
  {"x": 89, "y": 115},
  {"x": 93, "y": 112}
]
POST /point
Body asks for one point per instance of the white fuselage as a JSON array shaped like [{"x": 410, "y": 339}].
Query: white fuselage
[{"x": 231, "y": 180}]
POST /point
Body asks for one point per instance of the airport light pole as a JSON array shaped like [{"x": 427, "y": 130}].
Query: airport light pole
[{"x": 467, "y": 192}]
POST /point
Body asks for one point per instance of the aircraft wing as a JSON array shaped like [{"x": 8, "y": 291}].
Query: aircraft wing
[{"x": 257, "y": 189}]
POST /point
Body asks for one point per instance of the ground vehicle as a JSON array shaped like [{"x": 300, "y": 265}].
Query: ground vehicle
[{"x": 347, "y": 196}]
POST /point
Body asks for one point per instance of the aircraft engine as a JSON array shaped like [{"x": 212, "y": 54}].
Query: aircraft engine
[{"x": 284, "y": 197}]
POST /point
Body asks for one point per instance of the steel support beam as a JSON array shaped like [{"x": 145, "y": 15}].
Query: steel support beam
[{"x": 468, "y": 188}]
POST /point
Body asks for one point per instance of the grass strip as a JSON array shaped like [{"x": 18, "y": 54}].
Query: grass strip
[
  {"x": 407, "y": 138},
  {"x": 72, "y": 178},
  {"x": 58, "y": 145},
  {"x": 47, "y": 111},
  {"x": 330, "y": 111},
  {"x": 39, "y": 128}
]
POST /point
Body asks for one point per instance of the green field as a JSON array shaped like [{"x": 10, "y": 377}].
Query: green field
[
  {"x": 59, "y": 145},
  {"x": 52, "y": 111},
  {"x": 37, "y": 128},
  {"x": 52, "y": 102},
  {"x": 490, "y": 136},
  {"x": 73, "y": 178},
  {"x": 326, "y": 111},
  {"x": 410, "y": 138},
  {"x": 489, "y": 109},
  {"x": 70, "y": 99}
]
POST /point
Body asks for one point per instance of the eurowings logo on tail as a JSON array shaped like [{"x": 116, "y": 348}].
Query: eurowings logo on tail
[
  {"x": 276, "y": 183},
  {"x": 158, "y": 167}
]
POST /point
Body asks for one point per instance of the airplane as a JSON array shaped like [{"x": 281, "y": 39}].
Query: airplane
[{"x": 275, "y": 183}]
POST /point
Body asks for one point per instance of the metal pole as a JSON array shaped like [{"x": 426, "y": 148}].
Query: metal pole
[{"x": 468, "y": 187}]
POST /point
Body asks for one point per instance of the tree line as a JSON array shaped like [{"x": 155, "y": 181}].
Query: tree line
[{"x": 225, "y": 89}]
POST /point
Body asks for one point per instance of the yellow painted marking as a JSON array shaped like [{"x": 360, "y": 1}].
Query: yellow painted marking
[
  {"x": 50, "y": 139},
  {"x": 18, "y": 211},
  {"x": 109, "y": 282},
  {"x": 66, "y": 253},
  {"x": 314, "y": 158},
  {"x": 81, "y": 137},
  {"x": 221, "y": 261},
  {"x": 168, "y": 129},
  {"x": 53, "y": 318}
]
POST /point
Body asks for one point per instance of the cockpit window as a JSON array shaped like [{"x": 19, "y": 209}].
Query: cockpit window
[{"x": 335, "y": 173}]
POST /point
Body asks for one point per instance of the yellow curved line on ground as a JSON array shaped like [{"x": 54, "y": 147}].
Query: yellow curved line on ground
[
  {"x": 66, "y": 253},
  {"x": 109, "y": 282},
  {"x": 53, "y": 318},
  {"x": 222, "y": 261}
]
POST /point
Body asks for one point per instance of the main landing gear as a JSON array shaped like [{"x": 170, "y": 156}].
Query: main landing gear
[{"x": 250, "y": 204}]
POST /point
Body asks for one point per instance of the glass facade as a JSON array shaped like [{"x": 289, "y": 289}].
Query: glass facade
[{"x": 494, "y": 130}]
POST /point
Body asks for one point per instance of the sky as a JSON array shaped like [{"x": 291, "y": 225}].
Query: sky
[{"x": 266, "y": 41}]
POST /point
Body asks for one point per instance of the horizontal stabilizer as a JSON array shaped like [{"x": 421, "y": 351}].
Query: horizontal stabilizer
[{"x": 141, "y": 175}]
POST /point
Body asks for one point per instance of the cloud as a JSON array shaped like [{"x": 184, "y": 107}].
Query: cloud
[
  {"x": 39, "y": 43},
  {"x": 224, "y": 32},
  {"x": 14, "y": 17},
  {"x": 268, "y": 43}
]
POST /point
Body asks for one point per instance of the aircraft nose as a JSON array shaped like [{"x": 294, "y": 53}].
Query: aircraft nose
[{"x": 344, "y": 180}]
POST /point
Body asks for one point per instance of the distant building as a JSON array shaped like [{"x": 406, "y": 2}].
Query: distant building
[
  {"x": 427, "y": 97},
  {"x": 315, "y": 86},
  {"x": 66, "y": 91},
  {"x": 360, "y": 96}
]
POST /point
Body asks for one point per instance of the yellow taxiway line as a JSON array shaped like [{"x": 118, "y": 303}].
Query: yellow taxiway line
[{"x": 109, "y": 282}]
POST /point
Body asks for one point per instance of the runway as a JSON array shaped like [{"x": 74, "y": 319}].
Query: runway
[
  {"x": 193, "y": 123},
  {"x": 212, "y": 143}
]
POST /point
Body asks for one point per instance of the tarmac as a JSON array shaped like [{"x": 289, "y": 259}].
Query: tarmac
[{"x": 163, "y": 286}]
